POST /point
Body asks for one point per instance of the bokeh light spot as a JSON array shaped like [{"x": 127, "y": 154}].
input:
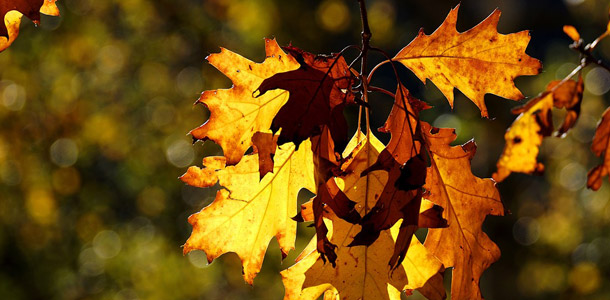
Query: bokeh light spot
[
  {"x": 198, "y": 259},
  {"x": 107, "y": 244},
  {"x": 573, "y": 176},
  {"x": 333, "y": 16},
  {"x": 13, "y": 96},
  {"x": 526, "y": 231},
  {"x": 597, "y": 81},
  {"x": 64, "y": 152},
  {"x": 180, "y": 153},
  {"x": 585, "y": 278}
]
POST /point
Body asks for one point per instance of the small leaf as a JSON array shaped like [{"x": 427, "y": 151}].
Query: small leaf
[
  {"x": 571, "y": 32},
  {"x": 601, "y": 147}
]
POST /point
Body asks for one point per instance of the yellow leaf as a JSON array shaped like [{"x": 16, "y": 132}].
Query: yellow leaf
[
  {"x": 249, "y": 211},
  {"x": 524, "y": 137},
  {"x": 477, "y": 62},
  {"x": 467, "y": 200},
  {"x": 235, "y": 113},
  {"x": 362, "y": 272}
]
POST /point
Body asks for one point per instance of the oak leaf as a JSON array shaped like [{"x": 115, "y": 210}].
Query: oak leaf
[
  {"x": 248, "y": 211},
  {"x": 12, "y": 11},
  {"x": 466, "y": 200},
  {"x": 319, "y": 90},
  {"x": 235, "y": 113},
  {"x": 361, "y": 272},
  {"x": 524, "y": 137},
  {"x": 477, "y": 62},
  {"x": 601, "y": 147}
]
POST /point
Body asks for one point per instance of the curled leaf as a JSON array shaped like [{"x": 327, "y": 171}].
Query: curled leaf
[
  {"x": 524, "y": 137},
  {"x": 601, "y": 147}
]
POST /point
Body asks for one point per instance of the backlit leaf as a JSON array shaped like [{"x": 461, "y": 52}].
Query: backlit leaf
[
  {"x": 249, "y": 211},
  {"x": 361, "y": 272},
  {"x": 466, "y": 200},
  {"x": 235, "y": 113},
  {"x": 477, "y": 62}
]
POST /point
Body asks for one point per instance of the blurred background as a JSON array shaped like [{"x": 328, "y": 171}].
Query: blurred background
[{"x": 95, "y": 107}]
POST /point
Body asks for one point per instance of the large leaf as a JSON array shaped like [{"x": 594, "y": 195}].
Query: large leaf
[
  {"x": 11, "y": 12},
  {"x": 361, "y": 272},
  {"x": 477, "y": 62},
  {"x": 467, "y": 200},
  {"x": 235, "y": 113},
  {"x": 249, "y": 211}
]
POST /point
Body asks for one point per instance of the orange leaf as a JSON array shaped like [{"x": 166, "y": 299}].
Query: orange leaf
[
  {"x": 361, "y": 272},
  {"x": 235, "y": 114},
  {"x": 601, "y": 147},
  {"x": 249, "y": 211},
  {"x": 477, "y": 62},
  {"x": 467, "y": 200},
  {"x": 11, "y": 12},
  {"x": 570, "y": 31}
]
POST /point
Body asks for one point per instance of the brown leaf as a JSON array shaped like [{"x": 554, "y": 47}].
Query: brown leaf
[
  {"x": 467, "y": 200},
  {"x": 235, "y": 114},
  {"x": 319, "y": 90},
  {"x": 403, "y": 125},
  {"x": 264, "y": 144},
  {"x": 524, "y": 137},
  {"x": 248, "y": 212},
  {"x": 12, "y": 11},
  {"x": 569, "y": 96},
  {"x": 601, "y": 147},
  {"x": 363, "y": 267},
  {"x": 477, "y": 62}
]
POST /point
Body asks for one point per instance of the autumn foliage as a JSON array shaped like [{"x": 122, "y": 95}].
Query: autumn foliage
[
  {"x": 370, "y": 198},
  {"x": 12, "y": 11}
]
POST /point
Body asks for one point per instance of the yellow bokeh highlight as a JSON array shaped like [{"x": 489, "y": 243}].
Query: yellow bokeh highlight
[
  {"x": 41, "y": 206},
  {"x": 66, "y": 181},
  {"x": 382, "y": 19},
  {"x": 541, "y": 277},
  {"x": 87, "y": 226},
  {"x": 585, "y": 278},
  {"x": 333, "y": 16},
  {"x": 151, "y": 201}
]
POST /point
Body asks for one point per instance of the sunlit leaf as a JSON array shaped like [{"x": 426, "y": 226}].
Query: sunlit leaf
[
  {"x": 477, "y": 62},
  {"x": 248, "y": 211},
  {"x": 235, "y": 113}
]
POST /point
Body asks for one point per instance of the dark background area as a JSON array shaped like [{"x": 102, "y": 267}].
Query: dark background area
[{"x": 95, "y": 106}]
